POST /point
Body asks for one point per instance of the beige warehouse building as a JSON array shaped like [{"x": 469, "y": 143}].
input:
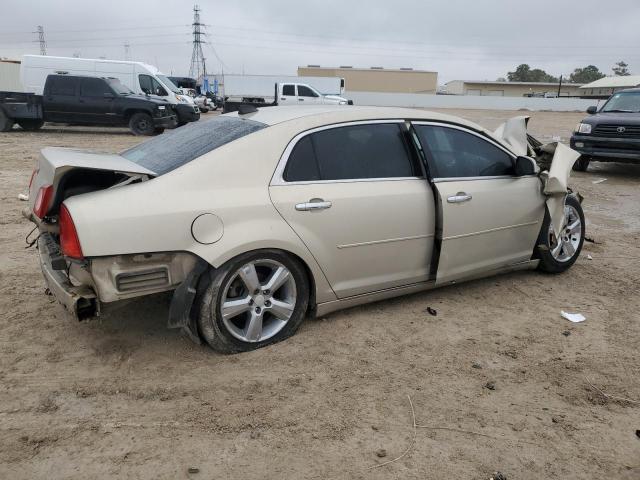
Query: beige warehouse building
[
  {"x": 377, "y": 79},
  {"x": 510, "y": 89}
]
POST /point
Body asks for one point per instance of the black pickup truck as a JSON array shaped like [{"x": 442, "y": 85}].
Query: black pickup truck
[
  {"x": 79, "y": 100},
  {"x": 611, "y": 134}
]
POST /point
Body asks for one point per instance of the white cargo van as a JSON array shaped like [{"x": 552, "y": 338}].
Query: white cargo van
[{"x": 140, "y": 77}]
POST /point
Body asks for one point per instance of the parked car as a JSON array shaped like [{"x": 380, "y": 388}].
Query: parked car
[
  {"x": 258, "y": 88},
  {"x": 611, "y": 134},
  {"x": 140, "y": 78},
  {"x": 202, "y": 101},
  {"x": 285, "y": 94},
  {"x": 86, "y": 101},
  {"x": 258, "y": 220}
]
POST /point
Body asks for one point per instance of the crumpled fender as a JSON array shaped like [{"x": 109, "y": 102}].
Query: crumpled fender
[
  {"x": 556, "y": 182},
  {"x": 513, "y": 132}
]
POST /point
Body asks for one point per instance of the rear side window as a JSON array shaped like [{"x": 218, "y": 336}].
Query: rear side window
[
  {"x": 351, "y": 152},
  {"x": 453, "y": 153},
  {"x": 63, "y": 85},
  {"x": 93, "y": 87},
  {"x": 173, "y": 149},
  {"x": 289, "y": 90}
]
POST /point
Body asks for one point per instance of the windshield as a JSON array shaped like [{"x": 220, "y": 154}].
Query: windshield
[
  {"x": 119, "y": 87},
  {"x": 623, "y": 102},
  {"x": 178, "y": 147},
  {"x": 168, "y": 83}
]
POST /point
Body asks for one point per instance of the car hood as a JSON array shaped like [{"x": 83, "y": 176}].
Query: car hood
[
  {"x": 147, "y": 99},
  {"x": 613, "y": 118}
]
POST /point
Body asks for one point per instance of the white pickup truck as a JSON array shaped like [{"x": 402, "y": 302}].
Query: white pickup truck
[{"x": 285, "y": 94}]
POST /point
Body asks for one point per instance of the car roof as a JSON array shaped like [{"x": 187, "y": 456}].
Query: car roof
[{"x": 327, "y": 114}]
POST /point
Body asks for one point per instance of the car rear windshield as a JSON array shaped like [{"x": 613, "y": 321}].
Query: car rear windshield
[{"x": 178, "y": 147}]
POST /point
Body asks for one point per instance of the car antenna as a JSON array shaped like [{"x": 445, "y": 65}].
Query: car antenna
[{"x": 245, "y": 109}]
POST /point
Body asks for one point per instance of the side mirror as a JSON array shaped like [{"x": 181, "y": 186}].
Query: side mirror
[
  {"x": 592, "y": 110},
  {"x": 525, "y": 166}
]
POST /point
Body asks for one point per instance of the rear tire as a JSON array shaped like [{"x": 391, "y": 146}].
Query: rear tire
[
  {"x": 558, "y": 256},
  {"x": 264, "y": 295},
  {"x": 6, "y": 123},
  {"x": 31, "y": 125},
  {"x": 582, "y": 164},
  {"x": 141, "y": 124}
]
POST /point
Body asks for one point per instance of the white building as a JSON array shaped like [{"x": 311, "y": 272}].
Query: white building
[{"x": 608, "y": 85}]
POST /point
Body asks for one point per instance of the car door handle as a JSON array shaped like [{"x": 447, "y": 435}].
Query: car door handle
[
  {"x": 301, "y": 99},
  {"x": 315, "y": 204},
  {"x": 459, "y": 197}
]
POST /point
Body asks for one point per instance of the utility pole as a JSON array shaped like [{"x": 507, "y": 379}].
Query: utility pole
[
  {"x": 127, "y": 51},
  {"x": 198, "y": 67},
  {"x": 43, "y": 44},
  {"x": 560, "y": 86}
]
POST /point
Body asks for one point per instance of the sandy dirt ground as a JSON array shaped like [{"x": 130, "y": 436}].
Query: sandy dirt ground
[{"x": 123, "y": 397}]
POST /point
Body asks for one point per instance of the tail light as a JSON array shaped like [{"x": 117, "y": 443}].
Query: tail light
[
  {"x": 43, "y": 201},
  {"x": 69, "y": 241}
]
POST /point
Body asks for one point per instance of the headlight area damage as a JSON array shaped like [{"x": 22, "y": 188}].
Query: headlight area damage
[{"x": 554, "y": 159}]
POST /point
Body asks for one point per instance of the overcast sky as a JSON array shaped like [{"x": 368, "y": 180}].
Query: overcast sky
[{"x": 460, "y": 39}]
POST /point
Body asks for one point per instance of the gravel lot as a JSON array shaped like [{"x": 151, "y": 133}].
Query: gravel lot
[{"x": 125, "y": 397}]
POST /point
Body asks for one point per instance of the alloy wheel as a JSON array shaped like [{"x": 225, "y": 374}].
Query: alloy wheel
[
  {"x": 258, "y": 300},
  {"x": 563, "y": 246}
]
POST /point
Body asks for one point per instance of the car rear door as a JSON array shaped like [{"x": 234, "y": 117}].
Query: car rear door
[
  {"x": 60, "y": 99},
  {"x": 356, "y": 196},
  {"x": 288, "y": 94},
  {"x": 488, "y": 218}
]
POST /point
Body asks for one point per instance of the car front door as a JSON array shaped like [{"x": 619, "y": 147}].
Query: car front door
[
  {"x": 308, "y": 96},
  {"x": 356, "y": 196},
  {"x": 488, "y": 218},
  {"x": 96, "y": 101}
]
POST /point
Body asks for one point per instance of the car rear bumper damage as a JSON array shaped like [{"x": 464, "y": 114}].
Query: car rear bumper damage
[
  {"x": 79, "y": 300},
  {"x": 615, "y": 149}
]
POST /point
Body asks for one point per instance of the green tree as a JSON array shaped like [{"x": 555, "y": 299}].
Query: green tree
[
  {"x": 588, "y": 74},
  {"x": 524, "y": 73},
  {"x": 621, "y": 69}
]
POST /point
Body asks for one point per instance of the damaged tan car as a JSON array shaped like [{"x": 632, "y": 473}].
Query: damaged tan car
[{"x": 259, "y": 219}]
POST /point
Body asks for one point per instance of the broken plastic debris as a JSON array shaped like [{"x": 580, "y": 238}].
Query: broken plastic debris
[
  {"x": 596, "y": 182},
  {"x": 589, "y": 257},
  {"x": 24, "y": 197},
  {"x": 573, "y": 317}
]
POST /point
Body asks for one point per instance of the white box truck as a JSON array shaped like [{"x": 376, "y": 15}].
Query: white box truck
[{"x": 140, "y": 77}]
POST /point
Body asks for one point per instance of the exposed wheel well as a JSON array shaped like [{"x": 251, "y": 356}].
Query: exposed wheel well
[{"x": 129, "y": 113}]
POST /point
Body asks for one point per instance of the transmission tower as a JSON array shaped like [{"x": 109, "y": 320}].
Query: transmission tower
[
  {"x": 198, "y": 67},
  {"x": 43, "y": 44}
]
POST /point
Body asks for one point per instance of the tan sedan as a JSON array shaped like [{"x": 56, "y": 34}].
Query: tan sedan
[{"x": 260, "y": 219}]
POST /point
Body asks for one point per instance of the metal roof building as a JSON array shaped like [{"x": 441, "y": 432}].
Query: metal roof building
[
  {"x": 608, "y": 85},
  {"x": 510, "y": 89}
]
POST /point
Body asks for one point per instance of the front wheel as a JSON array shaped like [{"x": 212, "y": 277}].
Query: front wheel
[
  {"x": 558, "y": 252},
  {"x": 582, "y": 164},
  {"x": 141, "y": 124},
  {"x": 253, "y": 300}
]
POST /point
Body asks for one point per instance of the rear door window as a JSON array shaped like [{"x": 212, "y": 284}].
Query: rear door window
[
  {"x": 454, "y": 153},
  {"x": 351, "y": 152},
  {"x": 178, "y": 147},
  {"x": 60, "y": 85},
  {"x": 289, "y": 90}
]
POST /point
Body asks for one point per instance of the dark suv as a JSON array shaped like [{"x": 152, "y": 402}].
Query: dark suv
[{"x": 611, "y": 134}]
